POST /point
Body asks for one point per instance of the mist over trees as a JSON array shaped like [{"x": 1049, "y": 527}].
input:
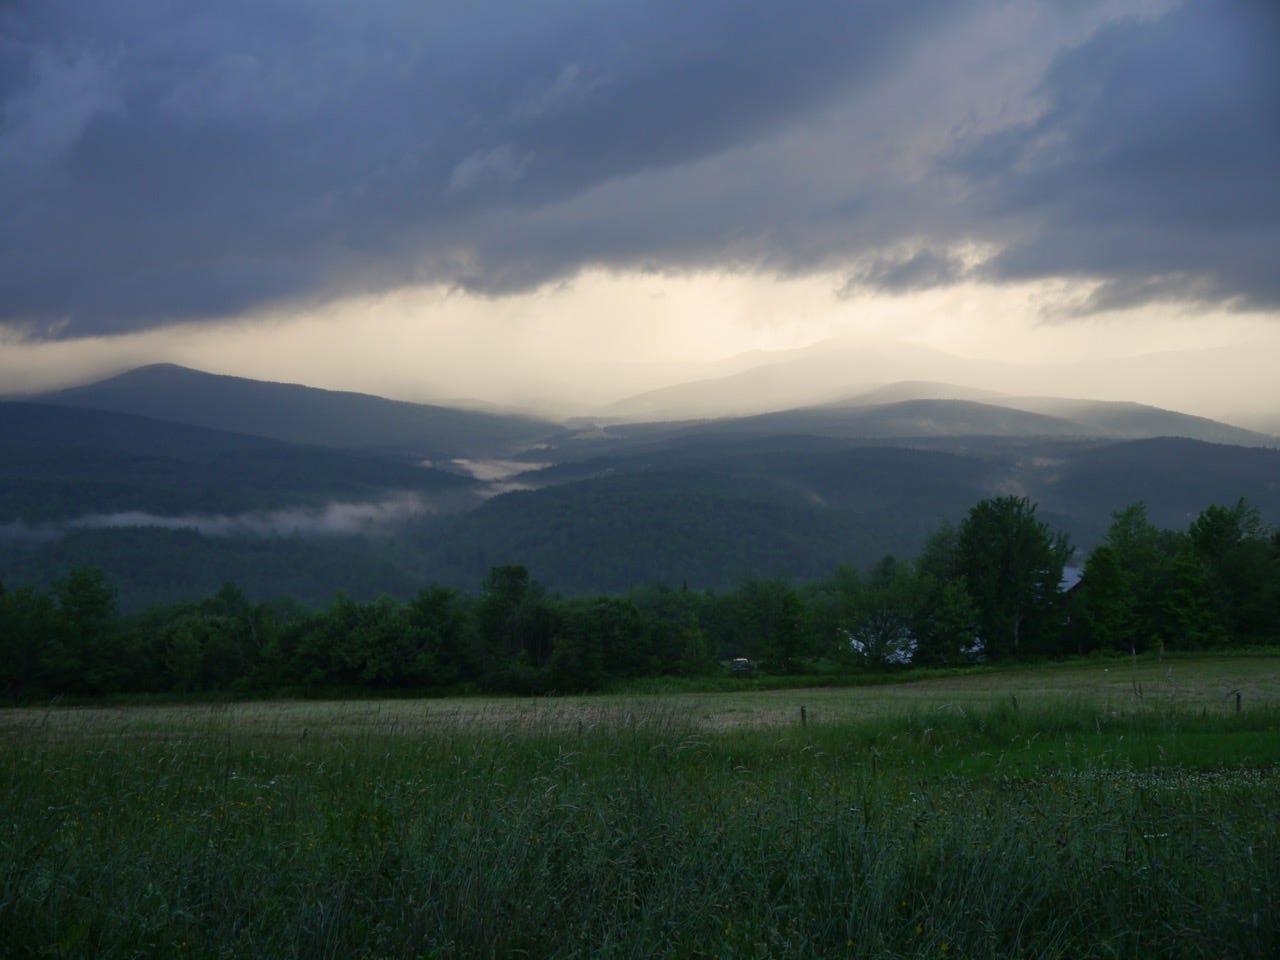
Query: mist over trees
[{"x": 992, "y": 588}]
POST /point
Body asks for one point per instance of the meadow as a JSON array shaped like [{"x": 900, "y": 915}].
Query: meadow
[{"x": 1104, "y": 809}]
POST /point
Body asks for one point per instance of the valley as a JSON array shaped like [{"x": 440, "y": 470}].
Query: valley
[{"x": 175, "y": 481}]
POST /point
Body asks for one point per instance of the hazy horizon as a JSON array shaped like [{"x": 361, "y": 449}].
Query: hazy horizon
[{"x": 764, "y": 382}]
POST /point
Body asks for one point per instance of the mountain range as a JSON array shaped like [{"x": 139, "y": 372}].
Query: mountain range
[
  {"x": 299, "y": 414},
  {"x": 1237, "y": 383},
  {"x": 175, "y": 481}
]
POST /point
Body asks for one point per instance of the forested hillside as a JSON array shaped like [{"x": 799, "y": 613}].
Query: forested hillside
[
  {"x": 61, "y": 463},
  {"x": 993, "y": 587},
  {"x": 171, "y": 511},
  {"x": 709, "y": 515}
]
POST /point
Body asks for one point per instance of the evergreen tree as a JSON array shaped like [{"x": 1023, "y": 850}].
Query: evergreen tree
[
  {"x": 1107, "y": 602},
  {"x": 516, "y": 629},
  {"x": 87, "y": 656}
]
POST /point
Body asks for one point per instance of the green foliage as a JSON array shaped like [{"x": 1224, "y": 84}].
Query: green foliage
[
  {"x": 769, "y": 620},
  {"x": 878, "y": 613},
  {"x": 1218, "y": 582},
  {"x": 31, "y": 644},
  {"x": 1141, "y": 561},
  {"x": 1109, "y": 601},
  {"x": 87, "y": 653},
  {"x": 516, "y": 627},
  {"x": 443, "y": 623},
  {"x": 1237, "y": 553},
  {"x": 578, "y": 661},
  {"x": 946, "y": 626},
  {"x": 1187, "y": 609},
  {"x": 988, "y": 589},
  {"x": 676, "y": 636},
  {"x": 350, "y": 643},
  {"x": 1012, "y": 566}
]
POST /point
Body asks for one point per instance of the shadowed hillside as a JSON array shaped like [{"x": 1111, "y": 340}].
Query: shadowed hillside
[
  {"x": 172, "y": 510},
  {"x": 299, "y": 414},
  {"x": 60, "y": 463}
]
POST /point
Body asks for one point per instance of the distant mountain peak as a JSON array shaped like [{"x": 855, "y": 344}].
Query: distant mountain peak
[{"x": 852, "y": 369}]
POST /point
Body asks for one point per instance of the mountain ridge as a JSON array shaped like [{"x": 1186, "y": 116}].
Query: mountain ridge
[
  {"x": 173, "y": 510},
  {"x": 301, "y": 414},
  {"x": 834, "y": 370},
  {"x": 345, "y": 419}
]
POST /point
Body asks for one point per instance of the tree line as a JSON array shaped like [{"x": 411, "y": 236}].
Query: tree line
[{"x": 990, "y": 588}]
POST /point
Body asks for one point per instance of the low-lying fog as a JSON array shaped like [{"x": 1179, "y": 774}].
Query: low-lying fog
[{"x": 331, "y": 519}]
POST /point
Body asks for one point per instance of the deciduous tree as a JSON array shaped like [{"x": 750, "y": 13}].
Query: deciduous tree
[{"x": 1012, "y": 566}]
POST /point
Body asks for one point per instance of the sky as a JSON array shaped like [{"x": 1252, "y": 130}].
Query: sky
[{"x": 554, "y": 204}]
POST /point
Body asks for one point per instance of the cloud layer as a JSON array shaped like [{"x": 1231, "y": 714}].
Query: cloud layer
[
  {"x": 159, "y": 165},
  {"x": 1153, "y": 166}
]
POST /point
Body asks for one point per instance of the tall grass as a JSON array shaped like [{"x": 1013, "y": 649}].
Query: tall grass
[{"x": 994, "y": 832}]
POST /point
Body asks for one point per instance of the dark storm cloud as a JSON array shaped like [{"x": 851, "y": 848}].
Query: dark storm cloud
[
  {"x": 919, "y": 270},
  {"x": 1154, "y": 166},
  {"x": 158, "y": 164}
]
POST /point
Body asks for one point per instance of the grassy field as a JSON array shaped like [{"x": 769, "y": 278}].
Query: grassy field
[{"x": 1099, "y": 810}]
